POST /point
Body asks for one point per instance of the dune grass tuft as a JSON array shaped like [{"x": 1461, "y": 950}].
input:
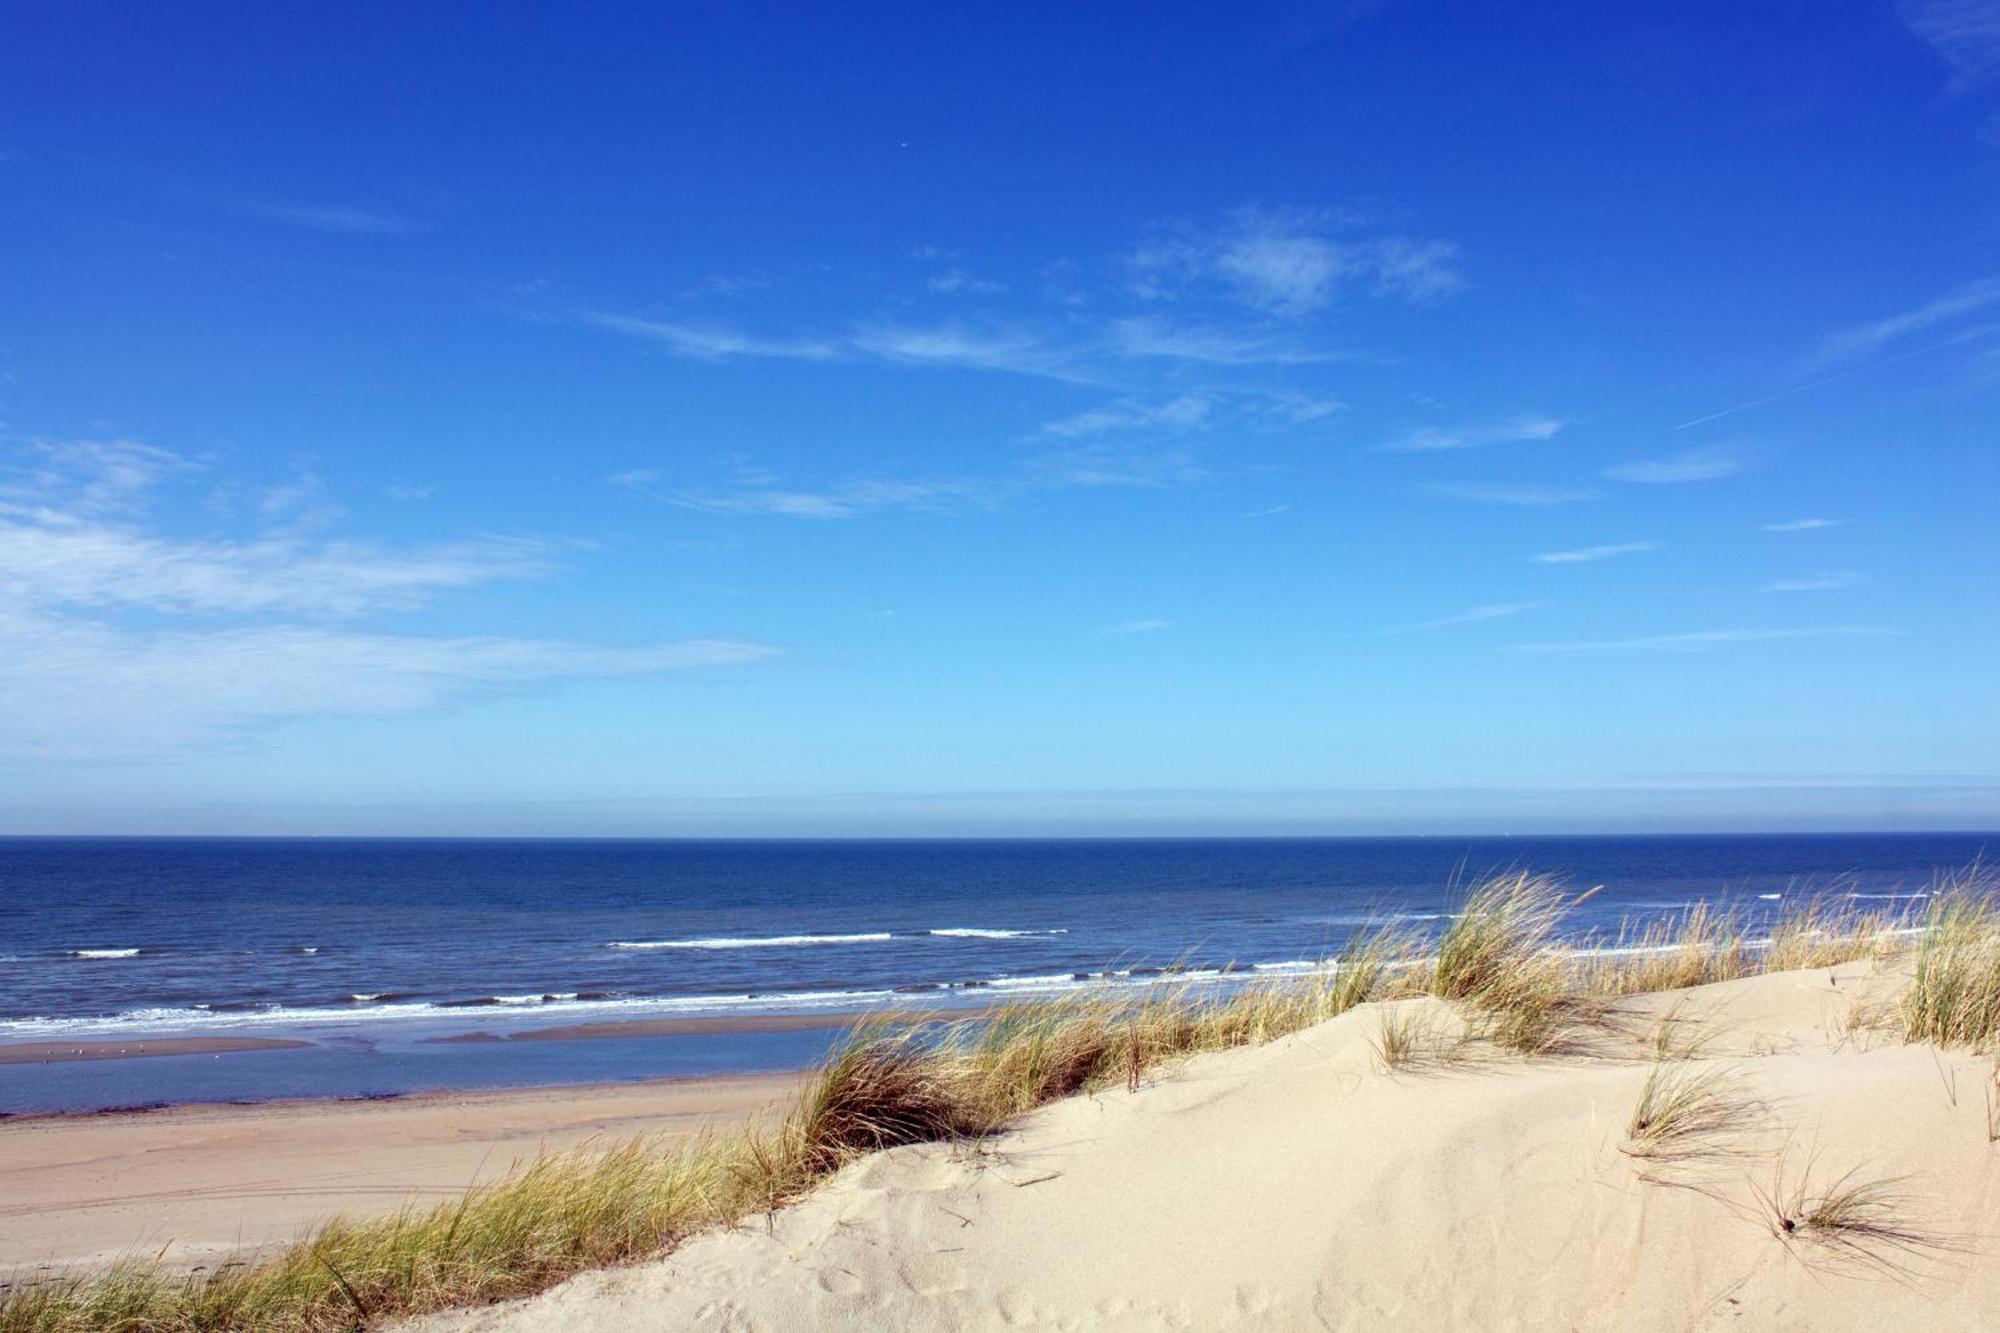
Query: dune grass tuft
[
  {"x": 1860, "y": 1220},
  {"x": 1503, "y": 959},
  {"x": 1504, "y": 925},
  {"x": 1694, "y": 947},
  {"x": 1500, "y": 956},
  {"x": 1401, "y": 1037},
  {"x": 1954, "y": 996},
  {"x": 1687, "y": 1111}
]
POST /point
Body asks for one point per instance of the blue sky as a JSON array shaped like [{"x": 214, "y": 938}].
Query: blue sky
[{"x": 985, "y": 419}]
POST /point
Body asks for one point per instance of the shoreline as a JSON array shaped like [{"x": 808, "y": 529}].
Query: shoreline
[
  {"x": 585, "y": 1058},
  {"x": 718, "y": 1025},
  {"x": 296, "y": 1105}
]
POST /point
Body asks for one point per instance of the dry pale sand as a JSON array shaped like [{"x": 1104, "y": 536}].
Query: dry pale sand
[
  {"x": 197, "y": 1181},
  {"x": 1300, "y": 1185}
]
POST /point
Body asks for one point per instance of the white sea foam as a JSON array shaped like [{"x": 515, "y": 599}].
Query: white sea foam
[
  {"x": 1886, "y": 897},
  {"x": 1770, "y": 897},
  {"x": 1054, "y": 980},
  {"x": 757, "y": 942},
  {"x": 103, "y": 953},
  {"x": 980, "y": 933},
  {"x": 365, "y": 1011}
]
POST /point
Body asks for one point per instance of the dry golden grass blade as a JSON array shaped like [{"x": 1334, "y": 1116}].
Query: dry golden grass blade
[
  {"x": 1852, "y": 1220},
  {"x": 1954, "y": 994},
  {"x": 1411, "y": 1038},
  {"x": 1690, "y": 1111}
]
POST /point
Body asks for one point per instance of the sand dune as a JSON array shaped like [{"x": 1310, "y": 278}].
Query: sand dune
[{"x": 1302, "y": 1184}]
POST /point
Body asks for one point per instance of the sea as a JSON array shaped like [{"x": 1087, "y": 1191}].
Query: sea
[{"x": 371, "y": 950}]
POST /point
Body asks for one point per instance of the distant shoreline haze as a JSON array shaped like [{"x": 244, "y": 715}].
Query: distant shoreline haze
[{"x": 1939, "y": 805}]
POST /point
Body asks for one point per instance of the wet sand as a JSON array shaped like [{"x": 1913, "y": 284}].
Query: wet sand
[
  {"x": 57, "y": 1052},
  {"x": 691, "y": 1027}
]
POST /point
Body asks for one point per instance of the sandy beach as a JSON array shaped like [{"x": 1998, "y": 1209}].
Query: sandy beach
[
  {"x": 1303, "y": 1184},
  {"x": 193, "y": 1182}
]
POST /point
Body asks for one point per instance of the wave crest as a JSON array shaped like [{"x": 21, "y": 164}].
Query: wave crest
[{"x": 753, "y": 942}]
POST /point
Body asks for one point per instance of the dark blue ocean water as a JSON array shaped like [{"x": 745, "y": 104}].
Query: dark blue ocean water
[{"x": 367, "y": 947}]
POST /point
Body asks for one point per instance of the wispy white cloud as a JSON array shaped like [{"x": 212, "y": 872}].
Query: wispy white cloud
[
  {"x": 1298, "y": 409},
  {"x": 124, "y": 637},
  {"x": 1431, "y": 439},
  {"x": 1240, "y": 280},
  {"x": 1148, "y": 338},
  {"x": 1964, "y": 33},
  {"x": 730, "y": 285},
  {"x": 1103, "y": 463},
  {"x": 1416, "y": 270},
  {"x": 1104, "y": 448},
  {"x": 351, "y": 218},
  {"x": 1488, "y": 611},
  {"x": 1803, "y": 524},
  {"x": 1585, "y": 555},
  {"x": 113, "y": 565},
  {"x": 65, "y": 482},
  {"x": 1182, "y": 413},
  {"x": 1525, "y": 494},
  {"x": 1138, "y": 627},
  {"x": 1699, "y": 640},
  {"x": 1816, "y": 582},
  {"x": 1292, "y": 262},
  {"x": 1289, "y": 274},
  {"x": 1870, "y": 338},
  {"x": 956, "y": 280},
  {"x": 1267, "y": 513},
  {"x": 1082, "y": 354},
  {"x": 1013, "y": 350},
  {"x": 708, "y": 343},
  {"x": 86, "y": 689},
  {"x": 846, "y": 500},
  {"x": 1708, "y": 463}
]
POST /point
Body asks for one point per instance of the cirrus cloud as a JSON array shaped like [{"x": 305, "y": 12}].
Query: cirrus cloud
[
  {"x": 119, "y": 637},
  {"x": 1708, "y": 463}
]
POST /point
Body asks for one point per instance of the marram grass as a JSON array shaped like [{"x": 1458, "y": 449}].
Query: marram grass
[
  {"x": 1954, "y": 994},
  {"x": 1501, "y": 958}
]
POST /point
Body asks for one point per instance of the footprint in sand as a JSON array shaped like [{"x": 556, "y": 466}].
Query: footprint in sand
[{"x": 931, "y": 1275}]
